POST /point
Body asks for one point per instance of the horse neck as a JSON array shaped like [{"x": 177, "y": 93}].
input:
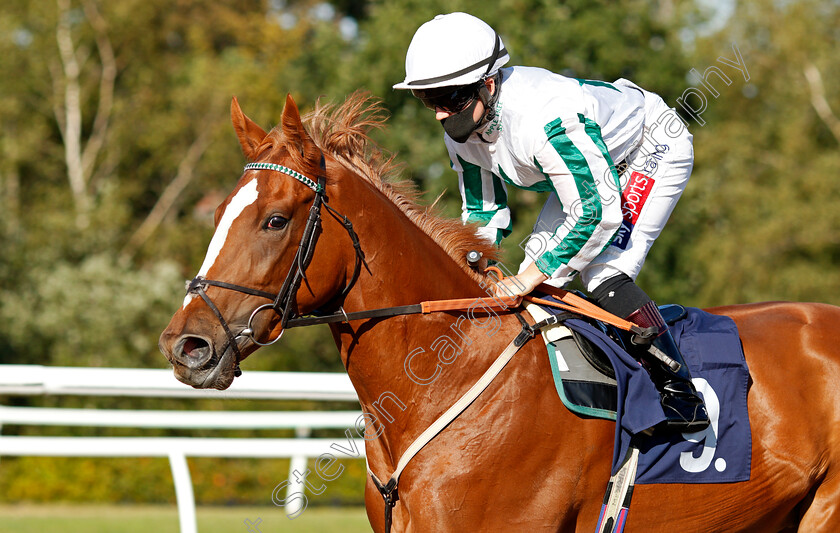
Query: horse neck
[{"x": 406, "y": 267}]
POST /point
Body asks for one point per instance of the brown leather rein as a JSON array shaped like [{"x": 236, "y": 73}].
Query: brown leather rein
[{"x": 567, "y": 301}]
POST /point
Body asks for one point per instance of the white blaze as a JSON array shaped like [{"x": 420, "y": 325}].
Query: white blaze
[{"x": 246, "y": 196}]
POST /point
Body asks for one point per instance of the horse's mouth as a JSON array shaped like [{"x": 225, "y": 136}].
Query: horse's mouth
[{"x": 217, "y": 373}]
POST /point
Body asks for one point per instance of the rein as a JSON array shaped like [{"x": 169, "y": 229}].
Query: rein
[{"x": 285, "y": 301}]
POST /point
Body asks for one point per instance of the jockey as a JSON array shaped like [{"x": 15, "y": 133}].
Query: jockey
[{"x": 612, "y": 183}]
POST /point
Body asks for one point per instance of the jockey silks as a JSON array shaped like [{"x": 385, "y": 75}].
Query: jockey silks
[{"x": 564, "y": 136}]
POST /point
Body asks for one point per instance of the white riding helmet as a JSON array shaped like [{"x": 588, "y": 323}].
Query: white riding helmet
[{"x": 453, "y": 49}]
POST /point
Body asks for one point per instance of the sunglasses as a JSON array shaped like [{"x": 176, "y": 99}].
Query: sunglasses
[{"x": 450, "y": 99}]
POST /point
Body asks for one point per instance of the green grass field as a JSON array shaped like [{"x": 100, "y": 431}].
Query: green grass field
[{"x": 164, "y": 519}]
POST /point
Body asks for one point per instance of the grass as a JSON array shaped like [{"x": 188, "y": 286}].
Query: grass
[{"x": 164, "y": 519}]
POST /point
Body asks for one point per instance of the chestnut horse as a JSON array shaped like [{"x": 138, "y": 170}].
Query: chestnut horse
[{"x": 516, "y": 459}]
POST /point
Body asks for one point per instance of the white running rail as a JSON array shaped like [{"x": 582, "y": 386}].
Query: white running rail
[{"x": 36, "y": 380}]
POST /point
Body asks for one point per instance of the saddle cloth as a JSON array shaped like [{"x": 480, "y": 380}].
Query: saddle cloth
[{"x": 712, "y": 349}]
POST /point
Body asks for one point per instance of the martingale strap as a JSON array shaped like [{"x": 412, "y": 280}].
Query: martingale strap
[{"x": 389, "y": 490}]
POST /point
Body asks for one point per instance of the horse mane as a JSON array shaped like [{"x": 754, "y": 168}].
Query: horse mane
[{"x": 342, "y": 131}]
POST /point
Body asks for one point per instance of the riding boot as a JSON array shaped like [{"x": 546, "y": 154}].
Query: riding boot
[{"x": 684, "y": 409}]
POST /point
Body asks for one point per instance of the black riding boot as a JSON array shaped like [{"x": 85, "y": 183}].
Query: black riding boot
[{"x": 684, "y": 409}]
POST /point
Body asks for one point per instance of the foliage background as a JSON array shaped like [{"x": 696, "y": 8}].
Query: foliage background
[{"x": 116, "y": 147}]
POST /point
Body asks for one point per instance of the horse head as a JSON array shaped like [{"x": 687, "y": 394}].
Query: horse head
[{"x": 253, "y": 277}]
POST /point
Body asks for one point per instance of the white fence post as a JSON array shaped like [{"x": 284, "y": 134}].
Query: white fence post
[
  {"x": 183, "y": 492},
  {"x": 298, "y": 463}
]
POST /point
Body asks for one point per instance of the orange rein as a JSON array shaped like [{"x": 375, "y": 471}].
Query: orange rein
[{"x": 568, "y": 302}]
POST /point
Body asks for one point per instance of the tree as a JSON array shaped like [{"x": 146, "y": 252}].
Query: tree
[
  {"x": 758, "y": 220},
  {"x": 129, "y": 117}
]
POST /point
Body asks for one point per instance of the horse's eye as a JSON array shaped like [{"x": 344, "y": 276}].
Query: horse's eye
[{"x": 276, "y": 222}]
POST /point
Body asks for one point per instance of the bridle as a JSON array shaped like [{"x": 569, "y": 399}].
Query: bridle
[{"x": 284, "y": 302}]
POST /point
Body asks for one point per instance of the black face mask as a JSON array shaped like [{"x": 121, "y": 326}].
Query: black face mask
[{"x": 461, "y": 125}]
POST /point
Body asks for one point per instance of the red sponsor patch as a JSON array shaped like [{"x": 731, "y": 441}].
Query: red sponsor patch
[{"x": 633, "y": 196}]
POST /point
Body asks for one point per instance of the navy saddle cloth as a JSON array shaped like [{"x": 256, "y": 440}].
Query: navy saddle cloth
[{"x": 712, "y": 349}]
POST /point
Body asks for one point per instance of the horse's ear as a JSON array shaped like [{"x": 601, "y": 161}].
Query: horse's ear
[
  {"x": 249, "y": 133},
  {"x": 293, "y": 129}
]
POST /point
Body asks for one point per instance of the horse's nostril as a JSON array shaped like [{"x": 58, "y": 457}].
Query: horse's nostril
[{"x": 195, "y": 348}]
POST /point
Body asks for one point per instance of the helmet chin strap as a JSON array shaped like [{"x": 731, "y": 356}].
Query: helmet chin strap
[{"x": 489, "y": 101}]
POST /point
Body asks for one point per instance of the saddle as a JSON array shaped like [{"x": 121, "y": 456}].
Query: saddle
[{"x": 583, "y": 375}]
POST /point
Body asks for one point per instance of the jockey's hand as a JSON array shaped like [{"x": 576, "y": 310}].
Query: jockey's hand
[{"x": 521, "y": 284}]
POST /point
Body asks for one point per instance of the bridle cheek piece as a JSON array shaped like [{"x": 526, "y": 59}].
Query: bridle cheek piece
[{"x": 284, "y": 302}]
